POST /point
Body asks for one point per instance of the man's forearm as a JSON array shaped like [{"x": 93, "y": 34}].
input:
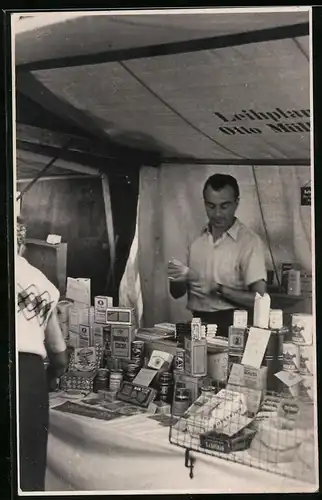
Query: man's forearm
[
  {"x": 178, "y": 290},
  {"x": 238, "y": 297}
]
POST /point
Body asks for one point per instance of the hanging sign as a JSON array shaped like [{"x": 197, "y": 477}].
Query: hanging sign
[{"x": 306, "y": 196}]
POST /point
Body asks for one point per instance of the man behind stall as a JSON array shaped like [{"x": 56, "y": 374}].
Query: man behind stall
[{"x": 225, "y": 264}]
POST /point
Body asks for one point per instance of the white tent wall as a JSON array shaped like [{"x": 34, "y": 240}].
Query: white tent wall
[{"x": 172, "y": 214}]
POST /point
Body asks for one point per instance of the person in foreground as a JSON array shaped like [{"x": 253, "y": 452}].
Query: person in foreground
[
  {"x": 38, "y": 336},
  {"x": 225, "y": 264}
]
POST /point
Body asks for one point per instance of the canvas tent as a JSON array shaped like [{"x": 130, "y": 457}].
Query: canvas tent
[{"x": 177, "y": 96}]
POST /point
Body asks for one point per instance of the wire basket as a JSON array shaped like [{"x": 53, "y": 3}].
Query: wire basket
[{"x": 274, "y": 433}]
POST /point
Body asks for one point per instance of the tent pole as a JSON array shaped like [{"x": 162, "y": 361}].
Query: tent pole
[
  {"x": 109, "y": 223},
  {"x": 40, "y": 174}
]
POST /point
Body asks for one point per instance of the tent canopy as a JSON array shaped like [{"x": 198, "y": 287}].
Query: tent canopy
[{"x": 220, "y": 88}]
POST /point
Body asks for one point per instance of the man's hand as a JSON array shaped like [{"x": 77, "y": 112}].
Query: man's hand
[
  {"x": 177, "y": 271},
  {"x": 201, "y": 288}
]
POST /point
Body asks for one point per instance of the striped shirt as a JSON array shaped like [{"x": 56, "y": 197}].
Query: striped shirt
[{"x": 235, "y": 260}]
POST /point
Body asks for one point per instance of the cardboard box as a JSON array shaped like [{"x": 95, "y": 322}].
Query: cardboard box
[
  {"x": 247, "y": 376},
  {"x": 119, "y": 315},
  {"x": 101, "y": 334},
  {"x": 100, "y": 317},
  {"x": 196, "y": 357},
  {"x": 101, "y": 302},
  {"x": 193, "y": 384},
  {"x": 82, "y": 380},
  {"x": 121, "y": 339},
  {"x": 85, "y": 336}
]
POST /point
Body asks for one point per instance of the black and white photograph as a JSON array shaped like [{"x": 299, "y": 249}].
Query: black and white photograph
[{"x": 164, "y": 262}]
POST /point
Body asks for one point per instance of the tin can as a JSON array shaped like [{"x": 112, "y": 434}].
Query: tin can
[
  {"x": 306, "y": 389},
  {"x": 166, "y": 386},
  {"x": 180, "y": 404},
  {"x": 302, "y": 328},
  {"x": 179, "y": 360},
  {"x": 132, "y": 371},
  {"x": 116, "y": 378},
  {"x": 101, "y": 379},
  {"x": 294, "y": 282},
  {"x": 275, "y": 319},
  {"x": 275, "y": 344},
  {"x": 285, "y": 268},
  {"x": 240, "y": 318},
  {"x": 218, "y": 365},
  {"x": 291, "y": 357},
  {"x": 137, "y": 350},
  {"x": 306, "y": 361}
]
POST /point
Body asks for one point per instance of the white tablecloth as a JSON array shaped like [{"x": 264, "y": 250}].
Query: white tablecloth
[{"x": 134, "y": 454}]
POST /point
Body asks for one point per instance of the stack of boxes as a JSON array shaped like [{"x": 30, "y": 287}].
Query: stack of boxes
[{"x": 190, "y": 364}]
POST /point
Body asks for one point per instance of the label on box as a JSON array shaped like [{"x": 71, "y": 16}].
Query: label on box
[
  {"x": 236, "y": 339},
  {"x": 158, "y": 359},
  {"x": 121, "y": 338},
  {"x": 102, "y": 303},
  {"x": 291, "y": 357},
  {"x": 85, "y": 336},
  {"x": 100, "y": 317}
]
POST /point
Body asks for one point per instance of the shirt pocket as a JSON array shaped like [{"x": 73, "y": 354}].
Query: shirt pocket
[{"x": 227, "y": 270}]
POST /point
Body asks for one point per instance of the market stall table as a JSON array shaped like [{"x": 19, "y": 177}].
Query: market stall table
[{"x": 133, "y": 453}]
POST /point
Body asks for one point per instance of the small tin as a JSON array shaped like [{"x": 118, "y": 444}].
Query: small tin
[
  {"x": 137, "y": 350},
  {"x": 291, "y": 358},
  {"x": 275, "y": 344},
  {"x": 166, "y": 386},
  {"x": 180, "y": 404},
  {"x": 179, "y": 360},
  {"x": 132, "y": 371},
  {"x": 240, "y": 318},
  {"x": 302, "y": 329},
  {"x": 285, "y": 268},
  {"x": 116, "y": 378}
]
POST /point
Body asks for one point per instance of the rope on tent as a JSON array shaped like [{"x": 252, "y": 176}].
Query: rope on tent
[
  {"x": 165, "y": 103},
  {"x": 265, "y": 226}
]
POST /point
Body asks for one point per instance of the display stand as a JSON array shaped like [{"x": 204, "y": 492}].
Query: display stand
[{"x": 279, "y": 438}]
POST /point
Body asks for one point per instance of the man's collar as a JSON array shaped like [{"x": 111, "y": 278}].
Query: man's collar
[{"x": 232, "y": 231}]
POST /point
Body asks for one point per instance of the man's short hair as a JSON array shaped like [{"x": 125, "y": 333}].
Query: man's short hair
[{"x": 219, "y": 181}]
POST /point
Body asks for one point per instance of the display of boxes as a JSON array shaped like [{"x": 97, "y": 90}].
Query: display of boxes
[
  {"x": 196, "y": 357},
  {"x": 121, "y": 339}
]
